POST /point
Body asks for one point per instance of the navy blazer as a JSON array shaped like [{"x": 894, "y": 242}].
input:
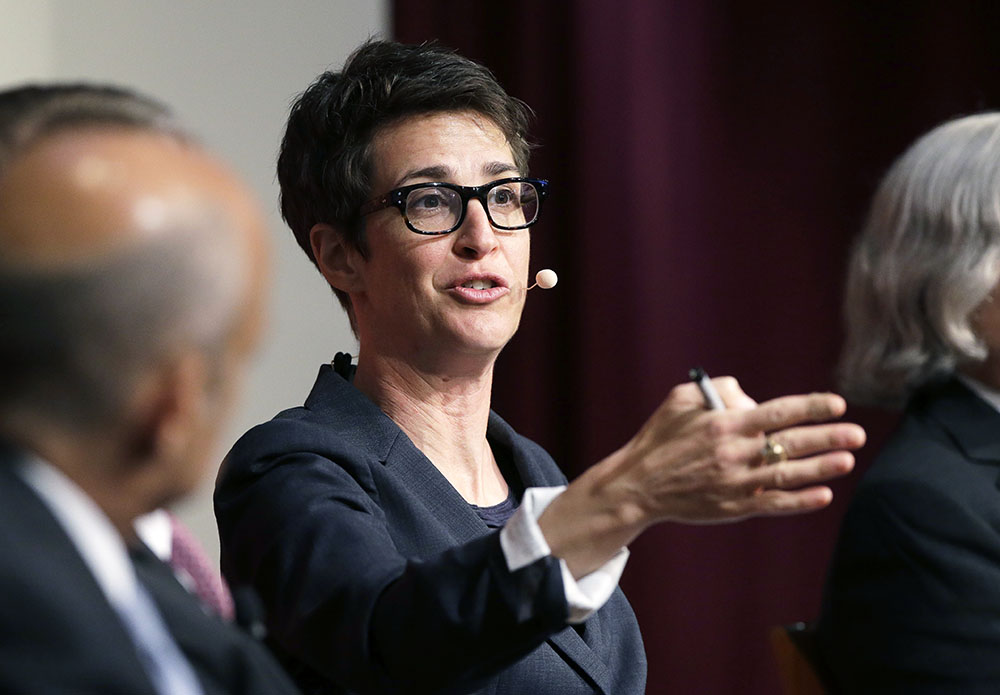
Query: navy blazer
[
  {"x": 378, "y": 577},
  {"x": 912, "y": 600},
  {"x": 59, "y": 634}
]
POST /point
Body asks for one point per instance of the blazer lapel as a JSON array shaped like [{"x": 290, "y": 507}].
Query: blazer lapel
[
  {"x": 427, "y": 484},
  {"x": 45, "y": 556},
  {"x": 531, "y": 462},
  {"x": 573, "y": 649},
  {"x": 356, "y": 419},
  {"x": 534, "y": 472},
  {"x": 970, "y": 421}
]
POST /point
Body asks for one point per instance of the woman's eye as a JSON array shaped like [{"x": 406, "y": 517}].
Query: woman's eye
[
  {"x": 426, "y": 201},
  {"x": 431, "y": 200},
  {"x": 504, "y": 196}
]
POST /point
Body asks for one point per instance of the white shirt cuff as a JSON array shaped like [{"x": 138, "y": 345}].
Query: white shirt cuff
[{"x": 522, "y": 543}]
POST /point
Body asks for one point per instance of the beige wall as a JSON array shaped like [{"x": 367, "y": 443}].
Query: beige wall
[{"x": 229, "y": 68}]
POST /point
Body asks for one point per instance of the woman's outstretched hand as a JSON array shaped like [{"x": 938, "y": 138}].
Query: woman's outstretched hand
[{"x": 694, "y": 465}]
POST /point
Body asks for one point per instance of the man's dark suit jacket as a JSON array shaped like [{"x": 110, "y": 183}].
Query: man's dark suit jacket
[
  {"x": 912, "y": 601},
  {"x": 378, "y": 577},
  {"x": 59, "y": 634}
]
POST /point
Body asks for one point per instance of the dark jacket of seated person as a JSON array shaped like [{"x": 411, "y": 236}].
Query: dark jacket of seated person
[{"x": 912, "y": 602}]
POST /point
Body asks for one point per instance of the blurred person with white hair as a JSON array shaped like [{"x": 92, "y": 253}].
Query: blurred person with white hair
[{"x": 912, "y": 600}]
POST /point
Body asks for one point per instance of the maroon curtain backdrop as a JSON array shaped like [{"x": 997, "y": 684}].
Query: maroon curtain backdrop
[{"x": 710, "y": 163}]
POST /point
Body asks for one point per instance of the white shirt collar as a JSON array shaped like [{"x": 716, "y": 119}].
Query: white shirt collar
[
  {"x": 155, "y": 531},
  {"x": 987, "y": 393},
  {"x": 88, "y": 527}
]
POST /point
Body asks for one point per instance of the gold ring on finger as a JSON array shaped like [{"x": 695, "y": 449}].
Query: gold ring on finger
[{"x": 773, "y": 452}]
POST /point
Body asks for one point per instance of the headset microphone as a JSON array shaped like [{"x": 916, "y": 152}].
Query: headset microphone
[{"x": 546, "y": 279}]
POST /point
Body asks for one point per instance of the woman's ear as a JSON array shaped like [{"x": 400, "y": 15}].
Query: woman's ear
[{"x": 338, "y": 261}]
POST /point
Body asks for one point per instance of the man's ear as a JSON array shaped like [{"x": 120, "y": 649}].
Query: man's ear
[
  {"x": 339, "y": 262},
  {"x": 169, "y": 409}
]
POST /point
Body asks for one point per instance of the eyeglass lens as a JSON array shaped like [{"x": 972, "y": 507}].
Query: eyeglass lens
[{"x": 509, "y": 205}]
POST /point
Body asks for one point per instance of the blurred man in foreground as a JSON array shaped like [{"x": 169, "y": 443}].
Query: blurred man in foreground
[{"x": 130, "y": 297}]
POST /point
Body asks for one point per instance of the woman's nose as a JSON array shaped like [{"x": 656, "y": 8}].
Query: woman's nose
[{"x": 476, "y": 237}]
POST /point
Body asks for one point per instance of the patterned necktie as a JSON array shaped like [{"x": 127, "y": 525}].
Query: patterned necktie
[{"x": 195, "y": 571}]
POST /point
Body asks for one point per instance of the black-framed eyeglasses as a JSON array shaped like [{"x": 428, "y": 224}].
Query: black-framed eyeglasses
[{"x": 439, "y": 208}]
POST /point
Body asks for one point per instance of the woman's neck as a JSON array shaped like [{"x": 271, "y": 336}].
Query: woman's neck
[{"x": 445, "y": 415}]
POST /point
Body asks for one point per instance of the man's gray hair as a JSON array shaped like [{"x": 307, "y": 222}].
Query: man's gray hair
[
  {"x": 75, "y": 339},
  {"x": 31, "y": 113},
  {"x": 928, "y": 256}
]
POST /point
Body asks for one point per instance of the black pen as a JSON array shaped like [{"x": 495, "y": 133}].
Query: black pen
[{"x": 712, "y": 398}]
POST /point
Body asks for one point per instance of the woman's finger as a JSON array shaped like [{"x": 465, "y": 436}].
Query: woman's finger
[
  {"x": 788, "y": 411},
  {"x": 780, "y": 502},
  {"x": 800, "y": 473},
  {"x": 807, "y": 440}
]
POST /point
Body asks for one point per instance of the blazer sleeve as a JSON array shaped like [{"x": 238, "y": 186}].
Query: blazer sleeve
[
  {"x": 300, "y": 520},
  {"x": 913, "y": 598}
]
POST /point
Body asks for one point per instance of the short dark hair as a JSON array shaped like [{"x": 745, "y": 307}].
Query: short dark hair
[
  {"x": 325, "y": 167},
  {"x": 32, "y": 112}
]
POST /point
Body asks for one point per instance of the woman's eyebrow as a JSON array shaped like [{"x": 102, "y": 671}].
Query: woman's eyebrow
[
  {"x": 497, "y": 168},
  {"x": 439, "y": 172},
  {"x": 436, "y": 173}
]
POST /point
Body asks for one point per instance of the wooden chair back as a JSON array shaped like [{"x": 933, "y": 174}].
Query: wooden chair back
[{"x": 797, "y": 654}]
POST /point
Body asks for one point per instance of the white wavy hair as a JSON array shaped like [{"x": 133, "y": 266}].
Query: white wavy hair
[{"x": 928, "y": 256}]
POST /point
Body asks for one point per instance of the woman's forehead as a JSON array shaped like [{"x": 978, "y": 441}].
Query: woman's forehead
[{"x": 440, "y": 146}]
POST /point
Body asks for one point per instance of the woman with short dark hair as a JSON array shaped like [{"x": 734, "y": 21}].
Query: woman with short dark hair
[{"x": 405, "y": 538}]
